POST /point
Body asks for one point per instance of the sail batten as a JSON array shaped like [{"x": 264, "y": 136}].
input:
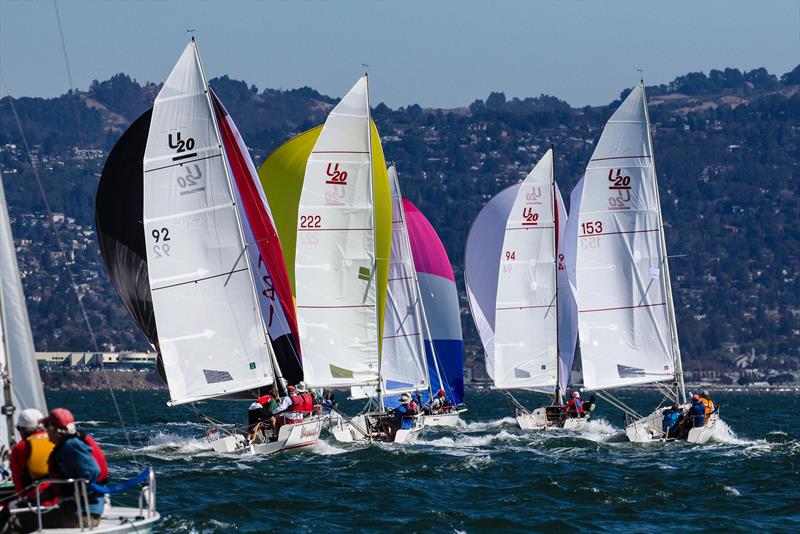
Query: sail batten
[{"x": 624, "y": 306}]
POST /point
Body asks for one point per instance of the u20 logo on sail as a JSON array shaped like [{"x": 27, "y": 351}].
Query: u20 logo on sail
[{"x": 336, "y": 177}]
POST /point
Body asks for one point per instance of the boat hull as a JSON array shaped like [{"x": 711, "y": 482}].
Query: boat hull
[
  {"x": 450, "y": 419},
  {"x": 648, "y": 429},
  {"x": 360, "y": 429},
  {"x": 115, "y": 519},
  {"x": 540, "y": 419},
  {"x": 290, "y": 437}
]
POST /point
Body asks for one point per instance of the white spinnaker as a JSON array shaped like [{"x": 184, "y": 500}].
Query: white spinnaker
[
  {"x": 481, "y": 265},
  {"x": 526, "y": 341},
  {"x": 16, "y": 340},
  {"x": 623, "y": 302},
  {"x": 335, "y": 264},
  {"x": 211, "y": 335},
  {"x": 403, "y": 364},
  {"x": 567, "y": 305}
]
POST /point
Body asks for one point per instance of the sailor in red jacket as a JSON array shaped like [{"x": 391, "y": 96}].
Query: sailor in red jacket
[{"x": 575, "y": 406}]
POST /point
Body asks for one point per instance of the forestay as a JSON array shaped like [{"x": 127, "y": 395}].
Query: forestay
[
  {"x": 335, "y": 262},
  {"x": 16, "y": 341},
  {"x": 403, "y": 365},
  {"x": 623, "y": 301},
  {"x": 210, "y": 330}
]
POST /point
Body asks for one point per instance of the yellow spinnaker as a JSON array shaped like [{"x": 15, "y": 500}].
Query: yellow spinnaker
[{"x": 282, "y": 176}]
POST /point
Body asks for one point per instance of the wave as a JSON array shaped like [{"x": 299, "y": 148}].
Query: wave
[
  {"x": 481, "y": 426},
  {"x": 725, "y": 434},
  {"x": 175, "y": 443},
  {"x": 600, "y": 430}
]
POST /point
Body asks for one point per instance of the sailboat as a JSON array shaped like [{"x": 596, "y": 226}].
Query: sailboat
[
  {"x": 626, "y": 314},
  {"x": 443, "y": 342},
  {"x": 517, "y": 287},
  {"x": 22, "y": 389},
  {"x": 201, "y": 268},
  {"x": 409, "y": 359}
]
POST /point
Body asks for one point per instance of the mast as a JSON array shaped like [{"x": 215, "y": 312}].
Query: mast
[
  {"x": 680, "y": 387},
  {"x": 374, "y": 241},
  {"x": 558, "y": 396},
  {"x": 5, "y": 373},
  {"x": 270, "y": 351}
]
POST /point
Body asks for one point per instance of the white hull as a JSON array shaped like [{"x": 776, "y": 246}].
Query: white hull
[
  {"x": 358, "y": 430},
  {"x": 538, "y": 420},
  {"x": 117, "y": 520},
  {"x": 289, "y": 437},
  {"x": 648, "y": 429},
  {"x": 450, "y": 419}
]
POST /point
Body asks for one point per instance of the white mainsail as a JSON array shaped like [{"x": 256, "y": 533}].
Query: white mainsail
[
  {"x": 626, "y": 318},
  {"x": 526, "y": 340},
  {"x": 403, "y": 360},
  {"x": 517, "y": 286},
  {"x": 17, "y": 356},
  {"x": 335, "y": 261},
  {"x": 211, "y": 334}
]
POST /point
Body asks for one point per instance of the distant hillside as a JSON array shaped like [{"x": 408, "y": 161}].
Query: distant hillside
[{"x": 726, "y": 147}]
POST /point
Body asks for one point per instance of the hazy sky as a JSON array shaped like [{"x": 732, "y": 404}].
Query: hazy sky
[{"x": 442, "y": 54}]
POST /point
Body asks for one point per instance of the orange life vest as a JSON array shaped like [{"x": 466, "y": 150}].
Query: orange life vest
[
  {"x": 709, "y": 407},
  {"x": 40, "y": 447}
]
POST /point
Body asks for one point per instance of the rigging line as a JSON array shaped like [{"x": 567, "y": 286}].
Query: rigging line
[
  {"x": 73, "y": 284},
  {"x": 74, "y": 94}
]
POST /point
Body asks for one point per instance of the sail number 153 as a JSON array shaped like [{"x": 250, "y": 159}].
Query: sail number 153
[{"x": 592, "y": 227}]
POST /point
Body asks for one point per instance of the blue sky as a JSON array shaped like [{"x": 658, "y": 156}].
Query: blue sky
[{"x": 438, "y": 54}]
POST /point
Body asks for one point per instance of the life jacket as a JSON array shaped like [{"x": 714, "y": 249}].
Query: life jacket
[
  {"x": 709, "y": 404},
  {"x": 297, "y": 404},
  {"x": 670, "y": 420},
  {"x": 308, "y": 402},
  {"x": 40, "y": 448},
  {"x": 99, "y": 457},
  {"x": 698, "y": 412},
  {"x": 263, "y": 401},
  {"x": 413, "y": 409}
]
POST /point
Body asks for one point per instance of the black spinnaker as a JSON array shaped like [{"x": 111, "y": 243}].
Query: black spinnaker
[{"x": 120, "y": 234}]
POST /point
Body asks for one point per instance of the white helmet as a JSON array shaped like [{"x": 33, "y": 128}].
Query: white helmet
[
  {"x": 29, "y": 419},
  {"x": 576, "y": 394}
]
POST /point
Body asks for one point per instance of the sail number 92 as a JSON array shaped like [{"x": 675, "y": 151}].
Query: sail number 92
[
  {"x": 161, "y": 247},
  {"x": 592, "y": 227}
]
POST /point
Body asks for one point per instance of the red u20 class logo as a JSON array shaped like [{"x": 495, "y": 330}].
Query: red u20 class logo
[
  {"x": 336, "y": 176},
  {"x": 529, "y": 217}
]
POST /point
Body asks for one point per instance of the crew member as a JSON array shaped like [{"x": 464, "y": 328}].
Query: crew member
[
  {"x": 574, "y": 408},
  {"x": 72, "y": 457},
  {"x": 307, "y": 398},
  {"x": 329, "y": 402},
  {"x": 290, "y": 408},
  {"x": 440, "y": 403},
  {"x": 28, "y": 460},
  {"x": 672, "y": 419},
  {"x": 698, "y": 411},
  {"x": 260, "y": 411},
  {"x": 711, "y": 407}
]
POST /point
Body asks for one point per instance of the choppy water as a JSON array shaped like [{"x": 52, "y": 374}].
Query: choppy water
[{"x": 485, "y": 476}]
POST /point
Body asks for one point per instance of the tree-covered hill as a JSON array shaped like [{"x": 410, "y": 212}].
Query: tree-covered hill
[{"x": 726, "y": 147}]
